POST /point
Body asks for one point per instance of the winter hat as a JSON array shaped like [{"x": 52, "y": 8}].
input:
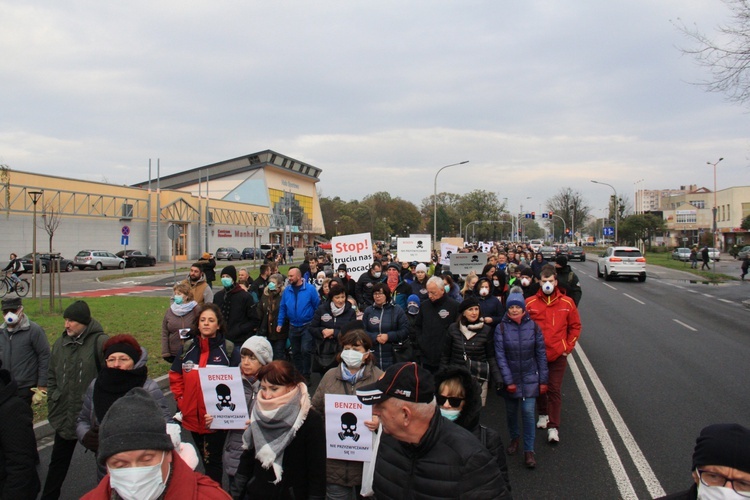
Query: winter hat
[
  {"x": 561, "y": 261},
  {"x": 11, "y": 303},
  {"x": 342, "y": 267},
  {"x": 206, "y": 256},
  {"x": 321, "y": 275},
  {"x": 412, "y": 304},
  {"x": 420, "y": 267},
  {"x": 394, "y": 265},
  {"x": 261, "y": 347},
  {"x": 723, "y": 444},
  {"x": 515, "y": 298},
  {"x": 133, "y": 422},
  {"x": 123, "y": 343},
  {"x": 78, "y": 311},
  {"x": 230, "y": 271},
  {"x": 467, "y": 303},
  {"x": 526, "y": 271}
]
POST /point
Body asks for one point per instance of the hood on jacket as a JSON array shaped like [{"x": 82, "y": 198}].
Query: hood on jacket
[
  {"x": 91, "y": 329},
  {"x": 143, "y": 359},
  {"x": 469, "y": 417},
  {"x": 482, "y": 279}
]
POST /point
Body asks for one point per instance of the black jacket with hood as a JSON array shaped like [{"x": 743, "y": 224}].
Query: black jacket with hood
[{"x": 489, "y": 305}]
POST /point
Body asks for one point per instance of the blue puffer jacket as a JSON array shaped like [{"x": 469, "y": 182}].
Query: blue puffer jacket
[
  {"x": 521, "y": 356},
  {"x": 390, "y": 319}
]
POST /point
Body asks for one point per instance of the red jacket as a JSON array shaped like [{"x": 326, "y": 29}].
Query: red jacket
[
  {"x": 183, "y": 484},
  {"x": 557, "y": 316}
]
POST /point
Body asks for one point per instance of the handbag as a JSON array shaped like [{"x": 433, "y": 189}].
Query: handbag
[
  {"x": 480, "y": 370},
  {"x": 403, "y": 351},
  {"x": 324, "y": 356}
]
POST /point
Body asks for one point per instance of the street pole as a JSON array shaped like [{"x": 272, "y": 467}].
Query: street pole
[
  {"x": 616, "y": 209},
  {"x": 35, "y": 195},
  {"x": 434, "y": 201},
  {"x": 716, "y": 246},
  {"x": 255, "y": 237}
]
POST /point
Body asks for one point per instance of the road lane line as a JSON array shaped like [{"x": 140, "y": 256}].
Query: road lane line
[
  {"x": 647, "y": 474},
  {"x": 727, "y": 301},
  {"x": 708, "y": 295},
  {"x": 633, "y": 298},
  {"x": 684, "y": 324},
  {"x": 607, "y": 284},
  {"x": 692, "y": 291},
  {"x": 610, "y": 452}
]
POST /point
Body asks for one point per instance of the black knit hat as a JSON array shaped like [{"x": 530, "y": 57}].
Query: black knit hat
[
  {"x": 230, "y": 271},
  {"x": 467, "y": 303},
  {"x": 561, "y": 261},
  {"x": 723, "y": 444},
  {"x": 342, "y": 267},
  {"x": 133, "y": 422},
  {"x": 78, "y": 311}
]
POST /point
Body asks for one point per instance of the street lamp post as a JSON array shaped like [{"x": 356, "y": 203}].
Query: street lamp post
[
  {"x": 35, "y": 195},
  {"x": 616, "y": 209},
  {"x": 715, "y": 207},
  {"x": 434, "y": 200},
  {"x": 255, "y": 235}
]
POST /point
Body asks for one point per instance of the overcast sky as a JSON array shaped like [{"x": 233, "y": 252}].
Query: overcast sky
[{"x": 538, "y": 95}]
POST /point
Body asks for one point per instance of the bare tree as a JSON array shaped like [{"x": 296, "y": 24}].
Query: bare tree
[
  {"x": 569, "y": 205},
  {"x": 50, "y": 221},
  {"x": 726, "y": 54}
]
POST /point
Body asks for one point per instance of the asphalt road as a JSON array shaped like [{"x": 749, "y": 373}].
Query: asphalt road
[{"x": 656, "y": 362}]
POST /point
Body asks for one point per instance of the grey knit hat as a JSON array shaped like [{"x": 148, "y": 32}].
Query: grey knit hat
[
  {"x": 261, "y": 347},
  {"x": 133, "y": 422}
]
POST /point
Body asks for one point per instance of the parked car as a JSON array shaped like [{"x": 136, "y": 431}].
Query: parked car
[
  {"x": 622, "y": 261},
  {"x": 714, "y": 254},
  {"x": 576, "y": 253},
  {"x": 251, "y": 253},
  {"x": 228, "y": 253},
  {"x": 681, "y": 253},
  {"x": 744, "y": 252},
  {"x": 549, "y": 253},
  {"x": 98, "y": 259},
  {"x": 136, "y": 258},
  {"x": 44, "y": 259}
]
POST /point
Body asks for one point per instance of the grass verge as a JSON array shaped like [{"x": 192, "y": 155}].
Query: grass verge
[{"x": 666, "y": 260}]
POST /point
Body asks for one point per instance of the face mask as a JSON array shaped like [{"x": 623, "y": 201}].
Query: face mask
[
  {"x": 484, "y": 292},
  {"x": 342, "y": 275},
  {"x": 548, "y": 287},
  {"x": 138, "y": 483},
  {"x": 451, "y": 414},
  {"x": 11, "y": 318},
  {"x": 271, "y": 286},
  {"x": 352, "y": 358},
  {"x": 178, "y": 299},
  {"x": 447, "y": 288},
  {"x": 226, "y": 282},
  {"x": 716, "y": 493},
  {"x": 376, "y": 275},
  {"x": 525, "y": 281},
  {"x": 319, "y": 281},
  {"x": 496, "y": 282}
]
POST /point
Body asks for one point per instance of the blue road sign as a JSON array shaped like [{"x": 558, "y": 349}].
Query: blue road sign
[
  {"x": 125, "y": 230},
  {"x": 124, "y": 240},
  {"x": 608, "y": 231}
]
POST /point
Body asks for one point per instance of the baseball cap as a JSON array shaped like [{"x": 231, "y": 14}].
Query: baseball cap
[{"x": 405, "y": 381}]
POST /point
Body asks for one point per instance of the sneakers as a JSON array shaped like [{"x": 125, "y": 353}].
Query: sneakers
[
  {"x": 529, "y": 459},
  {"x": 552, "y": 436},
  {"x": 542, "y": 422}
]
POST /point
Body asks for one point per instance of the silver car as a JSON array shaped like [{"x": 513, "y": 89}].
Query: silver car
[
  {"x": 98, "y": 259},
  {"x": 228, "y": 253}
]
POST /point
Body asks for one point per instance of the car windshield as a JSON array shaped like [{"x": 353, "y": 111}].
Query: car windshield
[
  {"x": 626, "y": 252},
  {"x": 83, "y": 253}
]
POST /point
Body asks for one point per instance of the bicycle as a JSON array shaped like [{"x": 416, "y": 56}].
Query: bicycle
[{"x": 21, "y": 288}]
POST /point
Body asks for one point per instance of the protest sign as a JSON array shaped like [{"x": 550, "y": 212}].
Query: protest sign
[
  {"x": 347, "y": 438},
  {"x": 486, "y": 246},
  {"x": 464, "y": 263},
  {"x": 445, "y": 253},
  {"x": 224, "y": 396},
  {"x": 354, "y": 250},
  {"x": 411, "y": 249}
]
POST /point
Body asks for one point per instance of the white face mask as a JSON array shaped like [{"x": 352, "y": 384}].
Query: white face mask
[
  {"x": 342, "y": 275},
  {"x": 138, "y": 483},
  {"x": 451, "y": 415},
  {"x": 716, "y": 493},
  {"x": 352, "y": 358},
  {"x": 548, "y": 287},
  {"x": 376, "y": 275},
  {"x": 484, "y": 291},
  {"x": 11, "y": 318},
  {"x": 525, "y": 281},
  {"x": 319, "y": 281}
]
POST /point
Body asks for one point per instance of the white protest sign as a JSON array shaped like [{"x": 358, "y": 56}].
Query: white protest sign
[
  {"x": 354, "y": 250},
  {"x": 464, "y": 263},
  {"x": 347, "y": 437},
  {"x": 485, "y": 246},
  {"x": 411, "y": 249},
  {"x": 446, "y": 250},
  {"x": 224, "y": 396}
]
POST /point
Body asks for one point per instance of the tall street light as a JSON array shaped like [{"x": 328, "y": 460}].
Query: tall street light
[
  {"x": 617, "y": 214},
  {"x": 35, "y": 195},
  {"x": 434, "y": 201},
  {"x": 715, "y": 208}
]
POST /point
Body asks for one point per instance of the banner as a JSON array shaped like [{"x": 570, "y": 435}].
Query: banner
[
  {"x": 486, "y": 246},
  {"x": 347, "y": 437},
  {"x": 354, "y": 250},
  {"x": 464, "y": 263},
  {"x": 445, "y": 253},
  {"x": 224, "y": 396},
  {"x": 411, "y": 249}
]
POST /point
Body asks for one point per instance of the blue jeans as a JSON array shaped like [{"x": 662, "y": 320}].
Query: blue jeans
[
  {"x": 302, "y": 348},
  {"x": 279, "y": 349},
  {"x": 528, "y": 406}
]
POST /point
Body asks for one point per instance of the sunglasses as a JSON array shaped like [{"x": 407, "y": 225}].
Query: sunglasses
[{"x": 454, "y": 402}]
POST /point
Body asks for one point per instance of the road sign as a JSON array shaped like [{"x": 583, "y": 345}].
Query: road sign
[
  {"x": 173, "y": 231},
  {"x": 608, "y": 231},
  {"x": 124, "y": 240},
  {"x": 125, "y": 230}
]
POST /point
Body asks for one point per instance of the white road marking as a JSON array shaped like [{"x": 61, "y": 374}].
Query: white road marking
[
  {"x": 708, "y": 295},
  {"x": 613, "y": 459},
  {"x": 727, "y": 301},
  {"x": 684, "y": 324},
  {"x": 647, "y": 474},
  {"x": 607, "y": 284},
  {"x": 692, "y": 291},
  {"x": 633, "y": 298}
]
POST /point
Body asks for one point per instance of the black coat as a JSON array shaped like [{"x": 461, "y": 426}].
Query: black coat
[
  {"x": 481, "y": 347},
  {"x": 568, "y": 281},
  {"x": 489, "y": 305},
  {"x": 18, "y": 455},
  {"x": 432, "y": 325},
  {"x": 243, "y": 320},
  {"x": 447, "y": 463},
  {"x": 324, "y": 356},
  {"x": 363, "y": 289}
]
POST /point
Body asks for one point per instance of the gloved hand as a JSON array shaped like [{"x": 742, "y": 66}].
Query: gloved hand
[
  {"x": 543, "y": 388},
  {"x": 499, "y": 390},
  {"x": 40, "y": 394},
  {"x": 511, "y": 388},
  {"x": 91, "y": 439}
]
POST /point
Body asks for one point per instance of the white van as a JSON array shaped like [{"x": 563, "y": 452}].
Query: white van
[{"x": 536, "y": 245}]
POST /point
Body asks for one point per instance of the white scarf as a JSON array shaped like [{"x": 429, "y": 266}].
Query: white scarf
[{"x": 470, "y": 330}]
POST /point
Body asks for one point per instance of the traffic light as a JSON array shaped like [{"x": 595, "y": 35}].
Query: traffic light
[{"x": 533, "y": 215}]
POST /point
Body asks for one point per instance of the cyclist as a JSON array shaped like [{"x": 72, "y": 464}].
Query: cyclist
[{"x": 16, "y": 268}]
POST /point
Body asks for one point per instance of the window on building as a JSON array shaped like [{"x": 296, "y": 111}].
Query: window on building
[
  {"x": 698, "y": 203},
  {"x": 686, "y": 219}
]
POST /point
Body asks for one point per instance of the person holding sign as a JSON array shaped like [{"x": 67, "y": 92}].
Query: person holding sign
[
  {"x": 386, "y": 324},
  {"x": 208, "y": 348},
  {"x": 285, "y": 442},
  {"x": 175, "y": 327},
  {"x": 356, "y": 369},
  {"x": 325, "y": 328}
]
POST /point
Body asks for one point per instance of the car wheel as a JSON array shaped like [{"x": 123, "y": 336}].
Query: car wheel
[
  {"x": 152, "y": 263},
  {"x": 69, "y": 268},
  {"x": 642, "y": 278},
  {"x": 230, "y": 258},
  {"x": 583, "y": 259},
  {"x": 98, "y": 266},
  {"x": 598, "y": 272},
  {"x": 133, "y": 263},
  {"x": 44, "y": 268},
  {"x": 122, "y": 265},
  {"x": 607, "y": 277}
]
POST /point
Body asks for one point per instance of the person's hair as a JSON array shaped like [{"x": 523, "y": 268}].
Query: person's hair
[
  {"x": 334, "y": 290},
  {"x": 263, "y": 268},
  {"x": 376, "y": 263},
  {"x": 356, "y": 337},
  {"x": 436, "y": 280},
  {"x": 486, "y": 269},
  {"x": 219, "y": 317},
  {"x": 448, "y": 279},
  {"x": 382, "y": 287},
  {"x": 184, "y": 289},
  {"x": 280, "y": 372},
  {"x": 123, "y": 338},
  {"x": 13, "y": 256},
  {"x": 243, "y": 269},
  {"x": 197, "y": 265},
  {"x": 468, "y": 279},
  {"x": 539, "y": 254},
  {"x": 454, "y": 386},
  {"x": 548, "y": 270},
  {"x": 421, "y": 411}
]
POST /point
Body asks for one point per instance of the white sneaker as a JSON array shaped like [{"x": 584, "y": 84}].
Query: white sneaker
[
  {"x": 552, "y": 436},
  {"x": 542, "y": 422}
]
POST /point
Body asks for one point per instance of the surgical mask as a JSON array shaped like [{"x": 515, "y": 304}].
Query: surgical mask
[
  {"x": 484, "y": 292},
  {"x": 352, "y": 358},
  {"x": 271, "y": 286},
  {"x": 525, "y": 281},
  {"x": 319, "y": 281},
  {"x": 447, "y": 288},
  {"x": 451, "y": 414},
  {"x": 342, "y": 275},
  {"x": 11, "y": 318},
  {"x": 178, "y": 299},
  {"x": 376, "y": 275},
  {"x": 226, "y": 282},
  {"x": 138, "y": 483},
  {"x": 716, "y": 493},
  {"x": 496, "y": 282},
  {"x": 548, "y": 287}
]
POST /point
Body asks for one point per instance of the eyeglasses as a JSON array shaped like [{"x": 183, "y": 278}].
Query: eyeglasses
[
  {"x": 454, "y": 402},
  {"x": 709, "y": 478}
]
